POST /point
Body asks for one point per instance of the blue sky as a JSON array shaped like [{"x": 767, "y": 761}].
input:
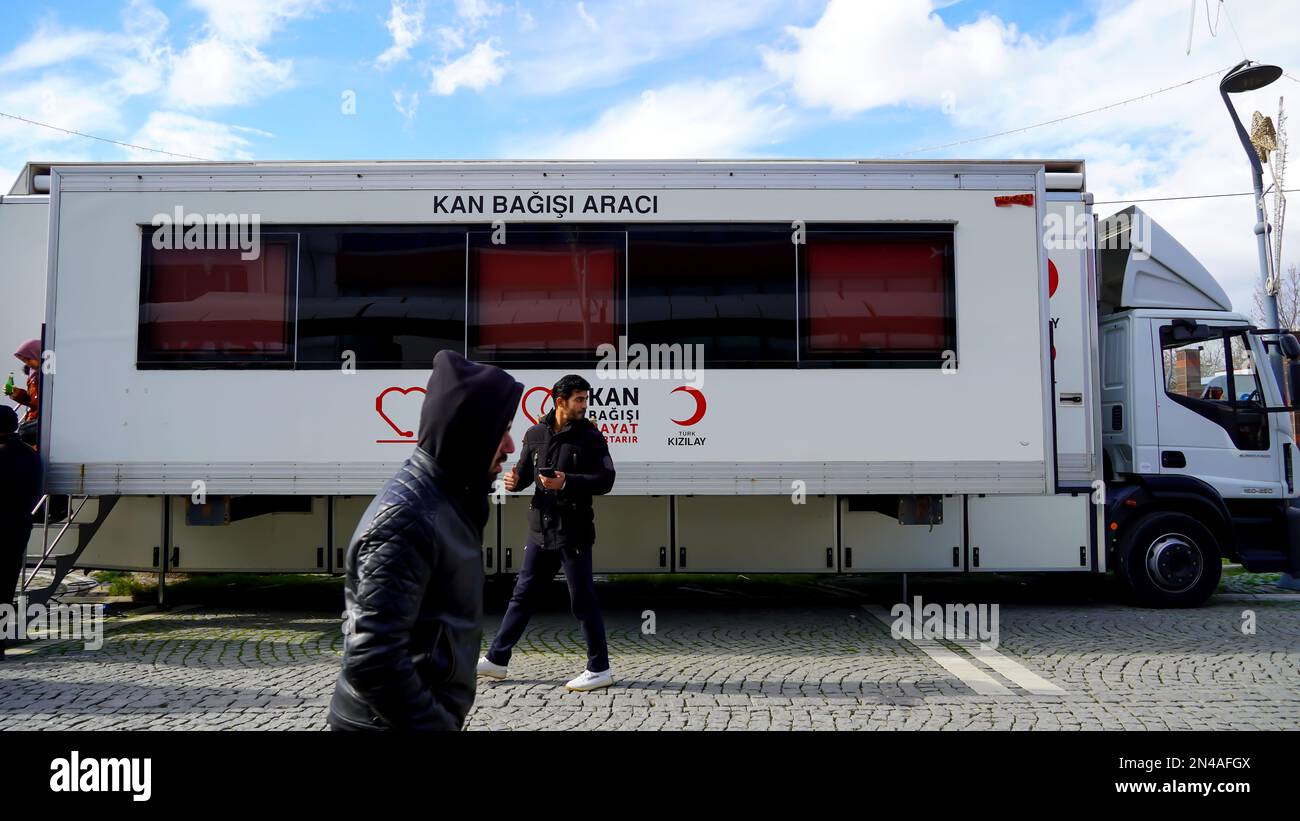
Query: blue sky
[{"x": 270, "y": 79}]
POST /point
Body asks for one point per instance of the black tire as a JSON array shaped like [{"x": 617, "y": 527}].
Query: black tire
[{"x": 1169, "y": 560}]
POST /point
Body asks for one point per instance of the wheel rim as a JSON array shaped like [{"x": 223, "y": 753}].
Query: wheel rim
[{"x": 1174, "y": 562}]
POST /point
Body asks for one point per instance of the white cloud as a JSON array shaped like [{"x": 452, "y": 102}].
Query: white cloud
[
  {"x": 451, "y": 39},
  {"x": 563, "y": 55},
  {"x": 85, "y": 80},
  {"x": 216, "y": 72},
  {"x": 61, "y": 100},
  {"x": 253, "y": 21},
  {"x": 863, "y": 55},
  {"x": 406, "y": 104},
  {"x": 587, "y": 18},
  {"x": 406, "y": 25},
  {"x": 727, "y": 118},
  {"x": 186, "y": 134},
  {"x": 479, "y": 68},
  {"x": 471, "y": 17},
  {"x": 524, "y": 18},
  {"x": 476, "y": 12},
  {"x": 860, "y": 56},
  {"x": 50, "y": 46},
  {"x": 80, "y": 80},
  {"x": 129, "y": 62},
  {"x": 227, "y": 67}
]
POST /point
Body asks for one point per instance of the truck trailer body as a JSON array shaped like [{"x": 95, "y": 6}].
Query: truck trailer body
[{"x": 820, "y": 367}]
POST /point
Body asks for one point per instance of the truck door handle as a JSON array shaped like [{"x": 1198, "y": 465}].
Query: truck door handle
[
  {"x": 1071, "y": 399},
  {"x": 1173, "y": 459}
]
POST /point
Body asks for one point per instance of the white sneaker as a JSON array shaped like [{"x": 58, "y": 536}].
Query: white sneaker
[
  {"x": 489, "y": 670},
  {"x": 590, "y": 681}
]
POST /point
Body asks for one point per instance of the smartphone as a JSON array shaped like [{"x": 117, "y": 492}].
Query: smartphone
[{"x": 549, "y": 473}]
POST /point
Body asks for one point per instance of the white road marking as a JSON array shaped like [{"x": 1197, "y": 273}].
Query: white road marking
[
  {"x": 1013, "y": 670},
  {"x": 970, "y": 675}
]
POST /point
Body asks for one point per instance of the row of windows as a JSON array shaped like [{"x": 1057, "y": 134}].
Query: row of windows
[{"x": 394, "y": 296}]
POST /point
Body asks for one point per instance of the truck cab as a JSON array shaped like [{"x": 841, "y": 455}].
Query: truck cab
[{"x": 1194, "y": 472}]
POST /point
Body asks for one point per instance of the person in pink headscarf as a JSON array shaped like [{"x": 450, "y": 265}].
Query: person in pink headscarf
[{"x": 29, "y": 353}]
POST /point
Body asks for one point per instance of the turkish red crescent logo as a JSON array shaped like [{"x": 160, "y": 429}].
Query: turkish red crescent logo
[
  {"x": 700, "y": 406},
  {"x": 541, "y": 409},
  {"x": 379, "y": 408}
]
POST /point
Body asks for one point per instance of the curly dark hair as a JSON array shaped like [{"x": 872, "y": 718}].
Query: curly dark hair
[{"x": 569, "y": 385}]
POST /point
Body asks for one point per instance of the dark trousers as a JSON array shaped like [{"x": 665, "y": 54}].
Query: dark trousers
[
  {"x": 13, "y": 552},
  {"x": 538, "y": 571}
]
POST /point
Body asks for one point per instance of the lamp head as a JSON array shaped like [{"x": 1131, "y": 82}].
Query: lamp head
[{"x": 1248, "y": 76}]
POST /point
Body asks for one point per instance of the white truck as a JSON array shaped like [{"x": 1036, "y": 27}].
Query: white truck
[{"x": 939, "y": 366}]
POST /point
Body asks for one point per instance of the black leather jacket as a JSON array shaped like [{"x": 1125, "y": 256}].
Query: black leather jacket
[
  {"x": 562, "y": 518},
  {"x": 414, "y": 587},
  {"x": 20, "y": 488}
]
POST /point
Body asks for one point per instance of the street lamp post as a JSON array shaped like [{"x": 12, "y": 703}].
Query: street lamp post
[{"x": 1248, "y": 76}]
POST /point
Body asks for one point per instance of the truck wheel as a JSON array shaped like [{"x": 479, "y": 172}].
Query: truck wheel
[{"x": 1169, "y": 560}]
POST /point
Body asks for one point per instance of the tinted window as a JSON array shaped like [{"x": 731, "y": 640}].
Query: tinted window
[
  {"x": 729, "y": 288},
  {"x": 392, "y": 296},
  {"x": 1211, "y": 372},
  {"x": 213, "y": 306},
  {"x": 878, "y": 295},
  {"x": 545, "y": 295}
]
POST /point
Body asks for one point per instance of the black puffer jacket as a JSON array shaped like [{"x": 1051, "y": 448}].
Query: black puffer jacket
[
  {"x": 20, "y": 487},
  {"x": 564, "y": 518},
  {"x": 414, "y": 589}
]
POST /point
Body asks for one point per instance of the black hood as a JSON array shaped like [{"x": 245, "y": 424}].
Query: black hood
[{"x": 467, "y": 408}]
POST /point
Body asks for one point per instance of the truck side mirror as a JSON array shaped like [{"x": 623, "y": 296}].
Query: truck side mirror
[{"x": 1290, "y": 347}]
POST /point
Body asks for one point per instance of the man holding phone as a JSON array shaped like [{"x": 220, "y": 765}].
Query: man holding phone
[{"x": 568, "y": 459}]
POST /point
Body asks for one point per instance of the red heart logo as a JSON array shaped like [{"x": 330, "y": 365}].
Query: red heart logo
[
  {"x": 541, "y": 409},
  {"x": 379, "y": 408}
]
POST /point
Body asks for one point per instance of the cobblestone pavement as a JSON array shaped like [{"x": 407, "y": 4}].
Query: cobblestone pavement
[{"x": 718, "y": 659}]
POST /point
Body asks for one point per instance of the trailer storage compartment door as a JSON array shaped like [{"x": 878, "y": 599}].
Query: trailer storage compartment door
[
  {"x": 1015, "y": 533},
  {"x": 873, "y": 542},
  {"x": 631, "y": 533},
  {"x": 720, "y": 533}
]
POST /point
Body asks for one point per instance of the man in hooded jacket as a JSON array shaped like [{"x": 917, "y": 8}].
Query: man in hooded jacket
[
  {"x": 20, "y": 488},
  {"x": 414, "y": 588}
]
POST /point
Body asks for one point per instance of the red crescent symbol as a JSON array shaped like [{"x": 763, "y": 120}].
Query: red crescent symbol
[
  {"x": 523, "y": 403},
  {"x": 700, "y": 406},
  {"x": 1053, "y": 278},
  {"x": 379, "y": 408}
]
